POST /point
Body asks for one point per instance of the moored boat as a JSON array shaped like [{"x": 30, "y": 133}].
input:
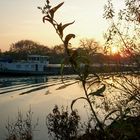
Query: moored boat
[{"x": 34, "y": 65}]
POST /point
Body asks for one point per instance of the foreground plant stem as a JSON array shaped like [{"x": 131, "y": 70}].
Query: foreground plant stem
[
  {"x": 59, "y": 28},
  {"x": 91, "y": 107}
]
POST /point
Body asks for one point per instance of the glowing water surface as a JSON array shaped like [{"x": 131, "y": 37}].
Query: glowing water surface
[{"x": 41, "y": 94}]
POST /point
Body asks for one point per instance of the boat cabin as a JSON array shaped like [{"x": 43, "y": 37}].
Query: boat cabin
[
  {"x": 33, "y": 64},
  {"x": 37, "y": 58}
]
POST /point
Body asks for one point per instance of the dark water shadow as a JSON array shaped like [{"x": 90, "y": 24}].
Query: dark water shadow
[
  {"x": 14, "y": 84},
  {"x": 41, "y": 87}
]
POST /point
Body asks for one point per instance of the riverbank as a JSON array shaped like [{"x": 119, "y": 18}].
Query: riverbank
[{"x": 55, "y": 69}]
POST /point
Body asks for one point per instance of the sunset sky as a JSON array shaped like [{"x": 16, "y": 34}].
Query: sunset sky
[{"x": 20, "y": 19}]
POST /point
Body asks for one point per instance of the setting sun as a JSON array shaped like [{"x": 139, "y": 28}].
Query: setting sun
[{"x": 114, "y": 50}]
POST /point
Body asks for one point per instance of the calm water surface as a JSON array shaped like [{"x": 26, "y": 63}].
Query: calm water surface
[{"x": 39, "y": 93}]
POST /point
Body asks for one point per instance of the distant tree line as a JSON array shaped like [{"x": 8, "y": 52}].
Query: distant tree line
[{"x": 87, "y": 47}]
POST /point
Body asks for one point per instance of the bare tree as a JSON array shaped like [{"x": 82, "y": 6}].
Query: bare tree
[
  {"x": 90, "y": 46},
  {"x": 124, "y": 29}
]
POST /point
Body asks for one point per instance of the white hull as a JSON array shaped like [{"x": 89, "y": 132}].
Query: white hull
[{"x": 34, "y": 65}]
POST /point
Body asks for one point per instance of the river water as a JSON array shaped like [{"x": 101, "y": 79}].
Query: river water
[
  {"x": 41, "y": 94},
  {"x": 38, "y": 93}
]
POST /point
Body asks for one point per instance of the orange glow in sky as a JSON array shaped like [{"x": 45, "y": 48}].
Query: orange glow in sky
[{"x": 20, "y": 19}]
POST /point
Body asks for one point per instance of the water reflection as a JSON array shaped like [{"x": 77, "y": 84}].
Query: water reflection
[
  {"x": 12, "y": 84},
  {"x": 45, "y": 92},
  {"x": 31, "y": 84},
  {"x": 10, "y": 81}
]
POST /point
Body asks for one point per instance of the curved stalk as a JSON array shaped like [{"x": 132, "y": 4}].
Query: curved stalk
[
  {"x": 91, "y": 107},
  {"x": 73, "y": 63}
]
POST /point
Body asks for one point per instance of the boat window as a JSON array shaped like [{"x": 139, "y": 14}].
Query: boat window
[
  {"x": 18, "y": 66},
  {"x": 32, "y": 66},
  {"x": 41, "y": 58},
  {"x": 1, "y": 65},
  {"x": 38, "y": 58}
]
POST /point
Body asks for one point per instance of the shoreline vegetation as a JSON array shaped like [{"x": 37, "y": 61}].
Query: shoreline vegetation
[{"x": 63, "y": 124}]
